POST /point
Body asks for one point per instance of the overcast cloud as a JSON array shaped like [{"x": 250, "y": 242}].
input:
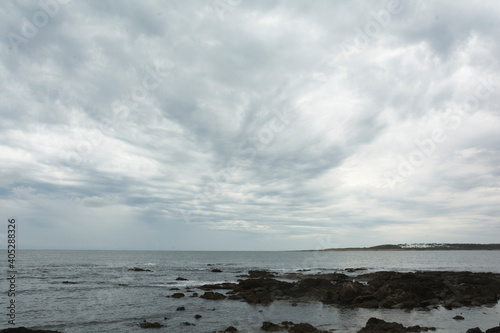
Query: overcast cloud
[{"x": 249, "y": 125}]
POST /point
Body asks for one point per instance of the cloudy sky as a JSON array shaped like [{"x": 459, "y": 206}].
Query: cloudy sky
[{"x": 249, "y": 125}]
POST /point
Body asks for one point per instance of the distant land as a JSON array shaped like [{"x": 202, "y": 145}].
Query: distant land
[{"x": 419, "y": 246}]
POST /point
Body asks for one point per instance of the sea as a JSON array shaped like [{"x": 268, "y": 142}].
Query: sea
[{"x": 105, "y": 296}]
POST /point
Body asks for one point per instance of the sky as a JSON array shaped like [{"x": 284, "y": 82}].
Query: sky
[{"x": 249, "y": 125}]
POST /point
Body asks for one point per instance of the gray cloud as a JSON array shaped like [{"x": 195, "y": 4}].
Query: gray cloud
[{"x": 269, "y": 125}]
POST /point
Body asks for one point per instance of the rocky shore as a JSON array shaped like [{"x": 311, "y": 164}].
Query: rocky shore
[
  {"x": 373, "y": 325},
  {"x": 372, "y": 290},
  {"x": 423, "y": 290}
]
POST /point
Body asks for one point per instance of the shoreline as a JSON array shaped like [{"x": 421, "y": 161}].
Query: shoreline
[{"x": 390, "y": 297}]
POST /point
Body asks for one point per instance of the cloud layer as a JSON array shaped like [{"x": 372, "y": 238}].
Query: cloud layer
[{"x": 238, "y": 125}]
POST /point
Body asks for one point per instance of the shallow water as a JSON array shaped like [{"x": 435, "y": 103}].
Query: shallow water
[{"x": 98, "y": 304}]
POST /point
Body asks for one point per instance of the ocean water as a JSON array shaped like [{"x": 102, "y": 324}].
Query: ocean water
[{"x": 97, "y": 302}]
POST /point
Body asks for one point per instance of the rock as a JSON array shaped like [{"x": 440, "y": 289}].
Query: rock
[
  {"x": 174, "y": 288},
  {"x": 194, "y": 295},
  {"x": 458, "y": 318},
  {"x": 316, "y": 283},
  {"x": 137, "y": 269},
  {"x": 23, "y": 329},
  {"x": 474, "y": 330},
  {"x": 188, "y": 324},
  {"x": 369, "y": 304},
  {"x": 197, "y": 316},
  {"x": 145, "y": 324},
  {"x": 304, "y": 328},
  {"x": 213, "y": 296},
  {"x": 372, "y": 290},
  {"x": 224, "y": 285},
  {"x": 271, "y": 327},
  {"x": 352, "y": 270},
  {"x": 181, "y": 279},
  {"x": 260, "y": 274},
  {"x": 123, "y": 284},
  {"x": 493, "y": 330},
  {"x": 374, "y": 325},
  {"x": 231, "y": 329},
  {"x": 349, "y": 291},
  {"x": 69, "y": 282},
  {"x": 216, "y": 270},
  {"x": 382, "y": 293},
  {"x": 291, "y": 327},
  {"x": 177, "y": 295},
  {"x": 180, "y": 308}
]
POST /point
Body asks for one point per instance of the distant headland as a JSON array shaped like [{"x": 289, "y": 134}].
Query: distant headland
[{"x": 419, "y": 246}]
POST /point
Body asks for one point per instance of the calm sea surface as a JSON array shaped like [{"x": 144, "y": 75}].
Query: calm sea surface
[{"x": 97, "y": 302}]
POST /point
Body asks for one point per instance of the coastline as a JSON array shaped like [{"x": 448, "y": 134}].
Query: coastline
[
  {"x": 419, "y": 247},
  {"x": 118, "y": 291}
]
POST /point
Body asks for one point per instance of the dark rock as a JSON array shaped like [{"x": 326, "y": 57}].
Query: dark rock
[
  {"x": 291, "y": 327},
  {"x": 317, "y": 283},
  {"x": 374, "y": 325},
  {"x": 474, "y": 330},
  {"x": 260, "y": 274},
  {"x": 69, "y": 282},
  {"x": 262, "y": 290},
  {"x": 181, "y": 279},
  {"x": 224, "y": 285},
  {"x": 231, "y": 329},
  {"x": 352, "y": 270},
  {"x": 213, "y": 296},
  {"x": 458, "y": 318},
  {"x": 188, "y": 324},
  {"x": 23, "y": 329},
  {"x": 216, "y": 270},
  {"x": 180, "y": 308},
  {"x": 369, "y": 304},
  {"x": 174, "y": 288},
  {"x": 493, "y": 330},
  {"x": 137, "y": 269},
  {"x": 382, "y": 293},
  {"x": 373, "y": 290},
  {"x": 146, "y": 324},
  {"x": 349, "y": 291},
  {"x": 271, "y": 327},
  {"x": 194, "y": 295},
  {"x": 197, "y": 316},
  {"x": 304, "y": 328},
  {"x": 177, "y": 295},
  {"x": 123, "y": 284}
]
